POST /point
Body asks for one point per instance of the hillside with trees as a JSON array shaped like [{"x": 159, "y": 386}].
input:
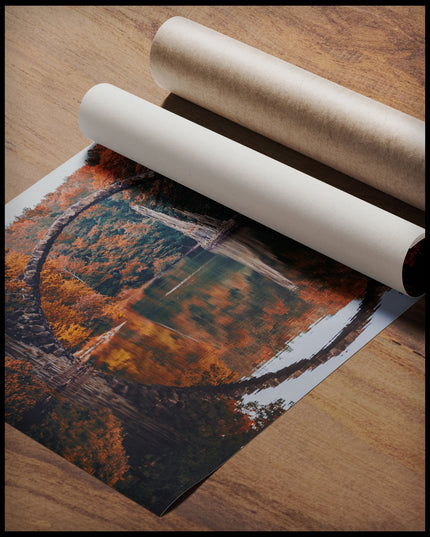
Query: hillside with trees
[{"x": 162, "y": 328}]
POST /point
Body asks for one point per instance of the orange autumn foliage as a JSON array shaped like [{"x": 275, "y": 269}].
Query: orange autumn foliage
[
  {"x": 69, "y": 304},
  {"x": 15, "y": 263},
  {"x": 222, "y": 332},
  {"x": 211, "y": 370},
  {"x": 94, "y": 447},
  {"x": 22, "y": 391},
  {"x": 92, "y": 439}
]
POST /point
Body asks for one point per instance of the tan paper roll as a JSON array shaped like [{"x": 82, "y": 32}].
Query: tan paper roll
[
  {"x": 332, "y": 124},
  {"x": 314, "y": 213}
]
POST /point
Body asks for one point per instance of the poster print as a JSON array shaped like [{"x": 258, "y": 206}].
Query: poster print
[{"x": 151, "y": 332}]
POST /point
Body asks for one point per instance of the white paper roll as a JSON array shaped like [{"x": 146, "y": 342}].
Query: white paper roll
[
  {"x": 365, "y": 139},
  {"x": 351, "y": 231}
]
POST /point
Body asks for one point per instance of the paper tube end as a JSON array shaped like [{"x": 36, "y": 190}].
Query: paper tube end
[
  {"x": 159, "y": 53},
  {"x": 413, "y": 273},
  {"x": 87, "y": 104}
]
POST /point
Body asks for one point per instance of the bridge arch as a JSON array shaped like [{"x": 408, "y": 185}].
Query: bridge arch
[{"x": 31, "y": 326}]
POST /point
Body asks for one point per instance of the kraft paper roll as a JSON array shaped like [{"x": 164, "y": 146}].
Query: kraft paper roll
[
  {"x": 363, "y": 138},
  {"x": 345, "y": 228}
]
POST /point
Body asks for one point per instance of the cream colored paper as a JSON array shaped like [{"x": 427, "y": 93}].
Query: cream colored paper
[
  {"x": 318, "y": 215},
  {"x": 332, "y": 124}
]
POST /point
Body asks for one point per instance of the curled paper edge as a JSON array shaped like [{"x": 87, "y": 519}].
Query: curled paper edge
[{"x": 336, "y": 224}]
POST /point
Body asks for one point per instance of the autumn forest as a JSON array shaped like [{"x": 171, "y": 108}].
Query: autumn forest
[{"x": 148, "y": 311}]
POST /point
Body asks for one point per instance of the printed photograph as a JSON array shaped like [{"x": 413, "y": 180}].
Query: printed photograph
[{"x": 151, "y": 333}]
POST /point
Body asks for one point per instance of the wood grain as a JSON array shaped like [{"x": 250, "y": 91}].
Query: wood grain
[{"x": 348, "y": 456}]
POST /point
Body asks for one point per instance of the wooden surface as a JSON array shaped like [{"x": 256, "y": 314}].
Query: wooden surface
[{"x": 349, "y": 455}]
